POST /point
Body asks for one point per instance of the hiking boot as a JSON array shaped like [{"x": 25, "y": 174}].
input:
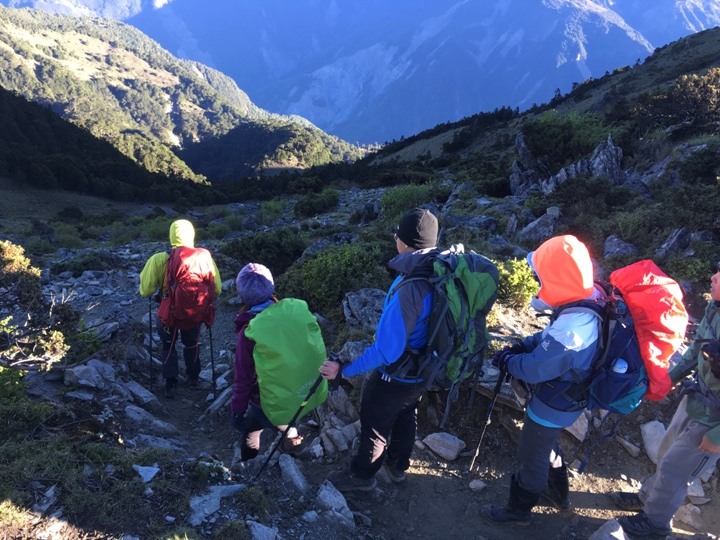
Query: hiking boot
[
  {"x": 557, "y": 492},
  {"x": 346, "y": 481},
  {"x": 395, "y": 474},
  {"x": 504, "y": 514},
  {"x": 627, "y": 501},
  {"x": 640, "y": 525},
  {"x": 517, "y": 511},
  {"x": 292, "y": 445},
  {"x": 170, "y": 389},
  {"x": 556, "y": 499}
]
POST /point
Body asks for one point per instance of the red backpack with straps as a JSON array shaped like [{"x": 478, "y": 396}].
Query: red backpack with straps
[
  {"x": 189, "y": 291},
  {"x": 655, "y": 302}
]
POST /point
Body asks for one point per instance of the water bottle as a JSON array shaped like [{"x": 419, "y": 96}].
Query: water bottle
[{"x": 620, "y": 365}]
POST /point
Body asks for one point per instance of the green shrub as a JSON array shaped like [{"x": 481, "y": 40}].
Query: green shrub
[
  {"x": 270, "y": 211},
  {"x": 517, "y": 283},
  {"x": 398, "y": 200},
  {"x": 276, "y": 249},
  {"x": 67, "y": 236},
  {"x": 560, "y": 139},
  {"x": 323, "y": 280},
  {"x": 314, "y": 203}
]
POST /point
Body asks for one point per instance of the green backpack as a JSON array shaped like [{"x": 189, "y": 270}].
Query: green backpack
[
  {"x": 288, "y": 351},
  {"x": 465, "y": 288}
]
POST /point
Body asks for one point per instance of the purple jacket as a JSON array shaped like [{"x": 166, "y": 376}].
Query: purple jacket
[{"x": 245, "y": 387}]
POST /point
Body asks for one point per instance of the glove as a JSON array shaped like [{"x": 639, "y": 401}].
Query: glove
[
  {"x": 238, "y": 421},
  {"x": 334, "y": 384},
  {"x": 499, "y": 359}
]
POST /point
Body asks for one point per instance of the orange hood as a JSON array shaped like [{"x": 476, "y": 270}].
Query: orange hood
[{"x": 565, "y": 270}]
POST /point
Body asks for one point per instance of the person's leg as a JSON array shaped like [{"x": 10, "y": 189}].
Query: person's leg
[
  {"x": 535, "y": 450},
  {"x": 679, "y": 466},
  {"x": 168, "y": 337},
  {"x": 255, "y": 422},
  {"x": 381, "y": 404},
  {"x": 557, "y": 491},
  {"x": 402, "y": 438},
  {"x": 191, "y": 352}
]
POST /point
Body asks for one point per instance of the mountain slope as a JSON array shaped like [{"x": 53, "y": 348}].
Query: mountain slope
[
  {"x": 120, "y": 85},
  {"x": 376, "y": 71}
]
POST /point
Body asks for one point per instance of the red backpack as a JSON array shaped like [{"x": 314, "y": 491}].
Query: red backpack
[
  {"x": 189, "y": 292},
  {"x": 655, "y": 302}
]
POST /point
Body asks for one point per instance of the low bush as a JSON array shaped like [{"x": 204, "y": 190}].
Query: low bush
[
  {"x": 314, "y": 203},
  {"x": 517, "y": 283},
  {"x": 276, "y": 249},
  {"x": 323, "y": 280},
  {"x": 398, "y": 200}
]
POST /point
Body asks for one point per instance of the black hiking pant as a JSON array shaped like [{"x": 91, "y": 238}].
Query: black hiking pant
[
  {"x": 538, "y": 447},
  {"x": 191, "y": 352},
  {"x": 388, "y": 410},
  {"x": 255, "y": 422}
]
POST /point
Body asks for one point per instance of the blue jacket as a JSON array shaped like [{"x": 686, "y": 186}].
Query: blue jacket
[
  {"x": 563, "y": 351},
  {"x": 404, "y": 319}
]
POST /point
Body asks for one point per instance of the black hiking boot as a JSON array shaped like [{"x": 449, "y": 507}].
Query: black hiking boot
[
  {"x": 640, "y": 525},
  {"x": 170, "y": 388},
  {"x": 557, "y": 491},
  {"x": 345, "y": 481},
  {"x": 627, "y": 501},
  {"x": 518, "y": 509},
  {"x": 396, "y": 475}
]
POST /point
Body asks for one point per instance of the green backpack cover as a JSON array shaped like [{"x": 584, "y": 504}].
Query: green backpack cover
[{"x": 288, "y": 351}]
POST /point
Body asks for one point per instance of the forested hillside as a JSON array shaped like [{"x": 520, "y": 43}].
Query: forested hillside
[{"x": 110, "y": 79}]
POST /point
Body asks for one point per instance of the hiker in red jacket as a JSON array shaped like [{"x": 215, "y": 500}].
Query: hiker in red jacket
[{"x": 152, "y": 281}]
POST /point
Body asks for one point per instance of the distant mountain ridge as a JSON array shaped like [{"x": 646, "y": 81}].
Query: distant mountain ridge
[
  {"x": 374, "y": 71},
  {"x": 123, "y": 87}
]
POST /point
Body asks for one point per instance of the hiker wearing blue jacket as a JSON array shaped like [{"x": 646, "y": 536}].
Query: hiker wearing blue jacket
[
  {"x": 691, "y": 443},
  {"x": 550, "y": 361},
  {"x": 388, "y": 409}
]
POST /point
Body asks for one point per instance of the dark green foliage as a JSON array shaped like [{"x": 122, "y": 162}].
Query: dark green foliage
[
  {"x": 558, "y": 140},
  {"x": 323, "y": 280},
  {"x": 703, "y": 167},
  {"x": 276, "y": 249},
  {"x": 311, "y": 205},
  {"x": 587, "y": 203},
  {"x": 146, "y": 104}
]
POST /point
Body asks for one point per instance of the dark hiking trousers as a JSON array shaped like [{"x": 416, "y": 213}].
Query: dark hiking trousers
[
  {"x": 537, "y": 448},
  {"x": 191, "y": 351},
  {"x": 255, "y": 422},
  {"x": 388, "y": 411}
]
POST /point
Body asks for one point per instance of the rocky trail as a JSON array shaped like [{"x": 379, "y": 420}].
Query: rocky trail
[{"x": 440, "y": 499}]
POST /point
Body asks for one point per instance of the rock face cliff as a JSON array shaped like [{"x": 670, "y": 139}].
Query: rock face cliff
[{"x": 357, "y": 70}]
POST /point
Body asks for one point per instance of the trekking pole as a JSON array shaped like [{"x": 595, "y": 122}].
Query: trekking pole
[
  {"x": 150, "y": 340},
  {"x": 212, "y": 361},
  {"x": 496, "y": 393},
  {"x": 291, "y": 424}
]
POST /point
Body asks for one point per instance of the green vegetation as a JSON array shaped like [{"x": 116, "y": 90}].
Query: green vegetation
[
  {"x": 276, "y": 249},
  {"x": 144, "y": 103},
  {"x": 517, "y": 284},
  {"x": 323, "y": 280}
]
